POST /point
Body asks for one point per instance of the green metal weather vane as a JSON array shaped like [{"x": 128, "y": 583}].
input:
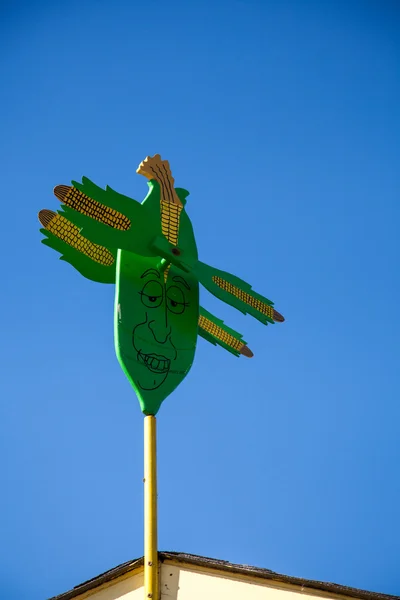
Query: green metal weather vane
[{"x": 149, "y": 251}]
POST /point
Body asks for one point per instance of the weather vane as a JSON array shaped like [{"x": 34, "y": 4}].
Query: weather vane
[{"x": 149, "y": 252}]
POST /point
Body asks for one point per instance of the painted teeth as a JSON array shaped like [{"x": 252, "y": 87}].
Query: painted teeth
[{"x": 153, "y": 363}]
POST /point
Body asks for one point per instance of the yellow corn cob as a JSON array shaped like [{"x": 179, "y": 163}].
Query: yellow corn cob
[
  {"x": 170, "y": 214},
  {"x": 153, "y": 167},
  {"x": 69, "y": 233},
  {"x": 72, "y": 197},
  {"x": 262, "y": 307},
  {"x": 224, "y": 336},
  {"x": 166, "y": 272}
]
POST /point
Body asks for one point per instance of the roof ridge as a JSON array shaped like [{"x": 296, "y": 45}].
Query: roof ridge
[{"x": 223, "y": 565}]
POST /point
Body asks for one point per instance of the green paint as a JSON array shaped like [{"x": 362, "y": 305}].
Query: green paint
[
  {"x": 86, "y": 267},
  {"x": 156, "y": 319},
  {"x": 205, "y": 275},
  {"x": 155, "y": 326},
  {"x": 145, "y": 233}
]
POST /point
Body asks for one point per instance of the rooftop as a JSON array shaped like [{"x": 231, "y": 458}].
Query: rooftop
[{"x": 224, "y": 566}]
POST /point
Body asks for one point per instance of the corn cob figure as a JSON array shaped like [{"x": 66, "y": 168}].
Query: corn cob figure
[{"x": 149, "y": 252}]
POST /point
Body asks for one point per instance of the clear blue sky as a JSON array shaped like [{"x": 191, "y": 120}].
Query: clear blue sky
[{"x": 282, "y": 119}]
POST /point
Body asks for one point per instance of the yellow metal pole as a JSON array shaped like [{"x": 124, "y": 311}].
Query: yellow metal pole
[{"x": 150, "y": 509}]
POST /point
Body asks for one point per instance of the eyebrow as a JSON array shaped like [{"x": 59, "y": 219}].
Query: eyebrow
[
  {"x": 150, "y": 272},
  {"x": 179, "y": 279}
]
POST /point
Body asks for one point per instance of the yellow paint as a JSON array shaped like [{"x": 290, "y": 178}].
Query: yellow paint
[
  {"x": 262, "y": 307},
  {"x": 220, "y": 333},
  {"x": 166, "y": 273},
  {"x": 150, "y": 509},
  {"x": 170, "y": 214},
  {"x": 70, "y": 234},
  {"x": 153, "y": 167},
  {"x": 75, "y": 199}
]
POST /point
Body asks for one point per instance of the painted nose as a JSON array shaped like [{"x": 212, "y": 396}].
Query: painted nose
[{"x": 160, "y": 331}]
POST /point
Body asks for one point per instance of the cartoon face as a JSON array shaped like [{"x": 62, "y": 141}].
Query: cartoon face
[
  {"x": 156, "y": 327},
  {"x": 153, "y": 337}
]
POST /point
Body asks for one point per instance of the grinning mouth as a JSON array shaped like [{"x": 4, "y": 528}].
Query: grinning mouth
[{"x": 154, "y": 362}]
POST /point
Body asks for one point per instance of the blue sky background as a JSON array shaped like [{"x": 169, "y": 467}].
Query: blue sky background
[{"x": 283, "y": 121}]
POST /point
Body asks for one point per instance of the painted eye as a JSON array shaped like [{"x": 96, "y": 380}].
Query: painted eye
[
  {"x": 152, "y": 294},
  {"x": 176, "y": 300}
]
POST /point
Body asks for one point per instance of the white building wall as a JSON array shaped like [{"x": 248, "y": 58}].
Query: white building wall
[
  {"x": 129, "y": 588},
  {"x": 187, "y": 582}
]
